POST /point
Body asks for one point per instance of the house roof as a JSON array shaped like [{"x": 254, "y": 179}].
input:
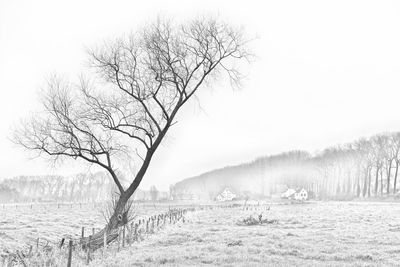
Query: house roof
[{"x": 227, "y": 189}]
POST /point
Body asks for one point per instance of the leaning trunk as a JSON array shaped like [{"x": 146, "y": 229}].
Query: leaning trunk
[
  {"x": 120, "y": 214},
  {"x": 117, "y": 219}
]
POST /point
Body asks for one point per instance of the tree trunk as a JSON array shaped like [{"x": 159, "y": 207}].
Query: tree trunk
[
  {"x": 369, "y": 182},
  {"x": 395, "y": 178},
  {"x": 120, "y": 216},
  {"x": 357, "y": 184},
  {"x": 365, "y": 183},
  {"x": 117, "y": 219},
  {"x": 348, "y": 183},
  {"x": 376, "y": 181},
  {"x": 381, "y": 182},
  {"x": 388, "y": 178}
]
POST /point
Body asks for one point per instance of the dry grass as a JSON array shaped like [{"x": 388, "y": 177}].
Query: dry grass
[
  {"x": 318, "y": 234},
  {"x": 21, "y": 225}
]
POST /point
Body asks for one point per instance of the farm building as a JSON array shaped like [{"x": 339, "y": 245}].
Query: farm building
[
  {"x": 298, "y": 194},
  {"x": 288, "y": 193},
  {"x": 226, "y": 195},
  {"x": 301, "y": 194}
]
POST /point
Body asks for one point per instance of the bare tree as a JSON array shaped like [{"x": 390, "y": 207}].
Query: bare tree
[
  {"x": 377, "y": 150},
  {"x": 396, "y": 153},
  {"x": 153, "y": 193},
  {"x": 141, "y": 84},
  {"x": 389, "y": 157}
]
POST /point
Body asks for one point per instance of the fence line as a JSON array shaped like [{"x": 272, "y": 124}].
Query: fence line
[{"x": 128, "y": 234}]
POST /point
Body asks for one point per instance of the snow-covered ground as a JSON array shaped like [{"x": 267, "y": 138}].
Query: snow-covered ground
[{"x": 315, "y": 234}]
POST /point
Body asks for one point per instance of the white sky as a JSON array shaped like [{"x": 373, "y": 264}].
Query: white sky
[{"x": 327, "y": 73}]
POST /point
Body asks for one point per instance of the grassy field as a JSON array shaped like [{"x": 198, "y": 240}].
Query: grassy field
[
  {"x": 22, "y": 224},
  {"x": 314, "y": 234},
  {"x": 317, "y": 234}
]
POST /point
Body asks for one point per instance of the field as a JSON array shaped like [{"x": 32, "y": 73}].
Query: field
[
  {"x": 22, "y": 224},
  {"x": 314, "y": 234}
]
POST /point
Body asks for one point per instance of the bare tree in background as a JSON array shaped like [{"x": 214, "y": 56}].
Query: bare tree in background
[
  {"x": 153, "y": 193},
  {"x": 396, "y": 153},
  {"x": 141, "y": 84}
]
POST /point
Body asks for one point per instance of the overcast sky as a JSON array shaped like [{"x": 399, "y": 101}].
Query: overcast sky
[{"x": 327, "y": 72}]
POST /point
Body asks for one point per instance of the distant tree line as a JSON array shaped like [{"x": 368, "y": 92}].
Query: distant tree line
[
  {"x": 78, "y": 188},
  {"x": 89, "y": 187},
  {"x": 367, "y": 167}
]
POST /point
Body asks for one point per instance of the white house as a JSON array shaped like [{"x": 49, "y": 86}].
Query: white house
[
  {"x": 226, "y": 195},
  {"x": 298, "y": 194},
  {"x": 288, "y": 193},
  {"x": 301, "y": 194}
]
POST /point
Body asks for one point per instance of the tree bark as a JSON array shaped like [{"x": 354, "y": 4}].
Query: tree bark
[{"x": 117, "y": 219}]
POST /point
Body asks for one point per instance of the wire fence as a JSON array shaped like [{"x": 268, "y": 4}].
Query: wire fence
[{"x": 82, "y": 249}]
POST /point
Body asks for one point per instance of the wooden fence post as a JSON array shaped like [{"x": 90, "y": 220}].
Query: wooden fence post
[
  {"x": 82, "y": 234},
  {"x": 69, "y": 254},
  {"x": 132, "y": 230},
  {"x": 130, "y": 233},
  {"x": 62, "y": 243},
  {"x": 119, "y": 238}
]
